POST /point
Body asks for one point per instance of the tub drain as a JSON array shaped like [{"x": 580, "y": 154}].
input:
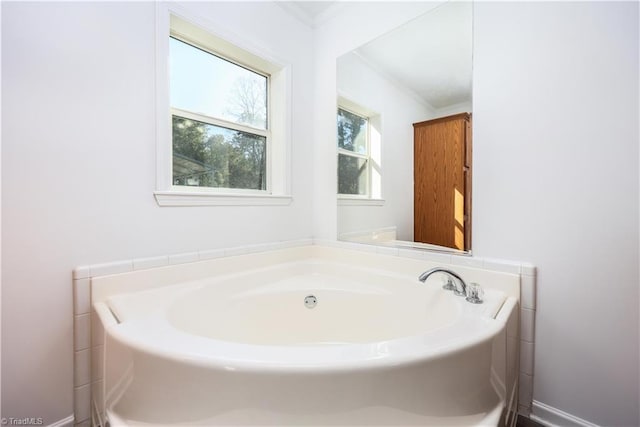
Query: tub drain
[{"x": 310, "y": 301}]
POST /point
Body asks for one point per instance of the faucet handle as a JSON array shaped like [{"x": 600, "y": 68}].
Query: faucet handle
[
  {"x": 449, "y": 286},
  {"x": 474, "y": 293}
]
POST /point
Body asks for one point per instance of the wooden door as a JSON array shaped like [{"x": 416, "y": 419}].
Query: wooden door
[{"x": 442, "y": 161}]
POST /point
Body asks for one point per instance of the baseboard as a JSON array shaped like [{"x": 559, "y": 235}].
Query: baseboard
[{"x": 552, "y": 417}]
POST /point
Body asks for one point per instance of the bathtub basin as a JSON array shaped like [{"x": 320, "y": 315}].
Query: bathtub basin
[{"x": 378, "y": 348}]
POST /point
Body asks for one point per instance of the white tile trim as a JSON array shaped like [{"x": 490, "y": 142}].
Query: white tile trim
[
  {"x": 528, "y": 269},
  {"x": 82, "y": 402},
  {"x": 82, "y": 272},
  {"x": 528, "y": 291},
  {"x": 410, "y": 253},
  {"x": 527, "y": 324},
  {"x": 525, "y": 389},
  {"x": 438, "y": 257},
  {"x": 467, "y": 261},
  {"x": 82, "y": 367},
  {"x": 111, "y": 268},
  {"x": 285, "y": 244},
  {"x": 152, "y": 262},
  {"x": 211, "y": 254},
  {"x": 82, "y": 332},
  {"x": 500, "y": 265},
  {"x": 183, "y": 258},
  {"x": 250, "y": 249},
  {"x": 125, "y": 266},
  {"x": 552, "y": 417},
  {"x": 81, "y": 296},
  {"x": 355, "y": 246},
  {"x": 526, "y": 357}
]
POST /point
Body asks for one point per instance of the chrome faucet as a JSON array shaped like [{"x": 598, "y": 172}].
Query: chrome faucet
[{"x": 459, "y": 288}]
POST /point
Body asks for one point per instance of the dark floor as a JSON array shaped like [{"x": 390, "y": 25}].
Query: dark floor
[{"x": 527, "y": 422}]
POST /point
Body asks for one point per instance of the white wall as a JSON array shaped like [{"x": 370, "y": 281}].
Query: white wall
[
  {"x": 360, "y": 83},
  {"x": 555, "y": 181},
  {"x": 555, "y": 184},
  {"x": 78, "y": 170}
]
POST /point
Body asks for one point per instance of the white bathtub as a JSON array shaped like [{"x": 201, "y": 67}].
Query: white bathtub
[{"x": 241, "y": 348}]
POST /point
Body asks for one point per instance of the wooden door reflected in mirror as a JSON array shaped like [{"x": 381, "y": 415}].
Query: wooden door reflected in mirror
[{"x": 442, "y": 181}]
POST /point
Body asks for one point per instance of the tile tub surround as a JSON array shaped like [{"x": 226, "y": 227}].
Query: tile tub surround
[{"x": 88, "y": 333}]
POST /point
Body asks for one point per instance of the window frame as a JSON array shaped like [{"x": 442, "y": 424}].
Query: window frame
[
  {"x": 366, "y": 157},
  {"x": 175, "y": 21},
  {"x": 214, "y": 121},
  {"x": 374, "y": 136}
]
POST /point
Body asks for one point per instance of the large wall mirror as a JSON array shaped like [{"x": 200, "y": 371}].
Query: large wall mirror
[{"x": 404, "y": 138}]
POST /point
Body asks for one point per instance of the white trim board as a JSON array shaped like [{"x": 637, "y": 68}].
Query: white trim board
[
  {"x": 552, "y": 417},
  {"x": 202, "y": 198}
]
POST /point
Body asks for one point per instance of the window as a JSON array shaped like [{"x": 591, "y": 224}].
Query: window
[
  {"x": 219, "y": 120},
  {"x": 354, "y": 162},
  {"x": 223, "y": 118},
  {"x": 359, "y": 147}
]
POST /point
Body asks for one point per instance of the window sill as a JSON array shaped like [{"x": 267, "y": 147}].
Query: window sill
[
  {"x": 184, "y": 198},
  {"x": 348, "y": 201}
]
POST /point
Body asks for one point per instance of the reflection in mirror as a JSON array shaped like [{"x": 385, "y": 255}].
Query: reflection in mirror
[{"x": 404, "y": 135}]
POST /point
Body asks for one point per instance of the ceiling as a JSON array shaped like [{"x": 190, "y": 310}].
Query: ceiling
[
  {"x": 312, "y": 13},
  {"x": 431, "y": 55}
]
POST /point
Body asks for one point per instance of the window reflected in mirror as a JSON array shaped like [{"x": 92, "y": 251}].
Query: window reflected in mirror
[{"x": 353, "y": 154}]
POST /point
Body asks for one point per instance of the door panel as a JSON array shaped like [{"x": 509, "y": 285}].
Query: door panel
[{"x": 440, "y": 154}]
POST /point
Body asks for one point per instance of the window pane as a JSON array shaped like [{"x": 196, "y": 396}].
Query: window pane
[
  {"x": 352, "y": 132},
  {"x": 352, "y": 175},
  {"x": 206, "y": 84},
  {"x": 211, "y": 156}
]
